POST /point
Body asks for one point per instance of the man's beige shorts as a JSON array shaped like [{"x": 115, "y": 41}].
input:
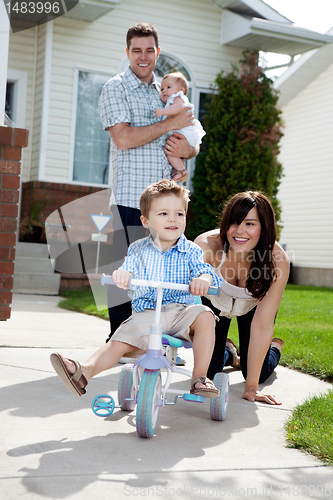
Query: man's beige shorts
[{"x": 176, "y": 320}]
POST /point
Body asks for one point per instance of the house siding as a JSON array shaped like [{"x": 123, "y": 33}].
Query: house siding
[
  {"x": 307, "y": 186},
  {"x": 21, "y": 57}
]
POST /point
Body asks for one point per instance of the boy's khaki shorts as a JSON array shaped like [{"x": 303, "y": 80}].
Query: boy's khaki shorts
[{"x": 176, "y": 320}]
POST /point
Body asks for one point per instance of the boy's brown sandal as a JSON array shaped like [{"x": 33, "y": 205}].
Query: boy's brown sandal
[
  {"x": 207, "y": 391},
  {"x": 75, "y": 382}
]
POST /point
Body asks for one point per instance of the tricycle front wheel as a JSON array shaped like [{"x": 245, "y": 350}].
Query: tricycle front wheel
[
  {"x": 219, "y": 406},
  {"x": 148, "y": 407}
]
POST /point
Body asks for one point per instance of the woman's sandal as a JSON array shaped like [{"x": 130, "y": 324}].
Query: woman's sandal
[
  {"x": 278, "y": 341},
  {"x": 207, "y": 392},
  {"x": 71, "y": 380},
  {"x": 236, "y": 359}
]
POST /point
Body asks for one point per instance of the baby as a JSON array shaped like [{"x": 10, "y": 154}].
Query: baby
[{"x": 174, "y": 88}]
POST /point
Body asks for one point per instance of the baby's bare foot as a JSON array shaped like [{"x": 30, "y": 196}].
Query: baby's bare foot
[{"x": 177, "y": 177}]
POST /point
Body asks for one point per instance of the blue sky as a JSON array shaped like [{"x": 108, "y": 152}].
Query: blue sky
[{"x": 316, "y": 16}]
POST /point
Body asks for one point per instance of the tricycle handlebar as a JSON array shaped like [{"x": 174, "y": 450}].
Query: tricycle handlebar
[{"x": 107, "y": 280}]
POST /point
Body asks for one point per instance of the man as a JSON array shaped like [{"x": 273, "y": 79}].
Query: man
[{"x": 127, "y": 105}]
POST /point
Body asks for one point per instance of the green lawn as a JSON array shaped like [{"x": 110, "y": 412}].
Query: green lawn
[
  {"x": 82, "y": 300},
  {"x": 305, "y": 323},
  {"x": 311, "y": 427}
]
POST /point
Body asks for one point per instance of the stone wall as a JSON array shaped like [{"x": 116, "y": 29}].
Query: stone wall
[{"x": 311, "y": 276}]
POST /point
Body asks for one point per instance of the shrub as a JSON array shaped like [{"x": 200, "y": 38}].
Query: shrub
[{"x": 243, "y": 129}]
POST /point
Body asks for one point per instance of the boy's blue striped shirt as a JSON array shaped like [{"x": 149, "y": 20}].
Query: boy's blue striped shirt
[{"x": 180, "y": 264}]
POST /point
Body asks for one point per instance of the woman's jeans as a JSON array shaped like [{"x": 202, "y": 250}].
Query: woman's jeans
[{"x": 222, "y": 355}]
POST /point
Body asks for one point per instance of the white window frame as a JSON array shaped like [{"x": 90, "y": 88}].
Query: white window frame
[
  {"x": 196, "y": 91},
  {"x": 73, "y": 129},
  {"x": 124, "y": 64}
]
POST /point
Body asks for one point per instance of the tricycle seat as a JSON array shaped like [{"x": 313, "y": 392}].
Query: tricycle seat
[{"x": 175, "y": 342}]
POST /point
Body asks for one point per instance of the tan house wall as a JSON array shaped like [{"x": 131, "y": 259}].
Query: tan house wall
[
  {"x": 193, "y": 36},
  {"x": 307, "y": 186}
]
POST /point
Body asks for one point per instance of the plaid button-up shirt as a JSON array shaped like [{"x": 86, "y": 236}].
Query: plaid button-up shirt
[
  {"x": 180, "y": 264},
  {"x": 126, "y": 99}
]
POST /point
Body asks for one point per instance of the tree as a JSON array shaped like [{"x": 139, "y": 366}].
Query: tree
[{"x": 243, "y": 129}]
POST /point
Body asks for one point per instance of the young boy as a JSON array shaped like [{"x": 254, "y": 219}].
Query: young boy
[{"x": 165, "y": 255}]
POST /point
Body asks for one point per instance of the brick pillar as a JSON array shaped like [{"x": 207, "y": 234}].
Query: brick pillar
[{"x": 12, "y": 140}]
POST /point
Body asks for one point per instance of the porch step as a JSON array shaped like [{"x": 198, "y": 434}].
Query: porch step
[
  {"x": 33, "y": 272},
  {"x": 33, "y": 265},
  {"x": 32, "y": 250}
]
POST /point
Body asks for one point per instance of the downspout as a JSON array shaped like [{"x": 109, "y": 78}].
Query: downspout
[
  {"x": 46, "y": 100},
  {"x": 31, "y": 131},
  {"x": 33, "y": 92}
]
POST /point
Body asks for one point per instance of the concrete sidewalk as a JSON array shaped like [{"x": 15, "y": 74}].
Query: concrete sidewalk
[{"x": 53, "y": 446}]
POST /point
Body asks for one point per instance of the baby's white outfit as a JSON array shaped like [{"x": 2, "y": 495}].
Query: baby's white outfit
[{"x": 193, "y": 133}]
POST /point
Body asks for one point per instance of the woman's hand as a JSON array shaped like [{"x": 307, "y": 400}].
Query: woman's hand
[{"x": 255, "y": 395}]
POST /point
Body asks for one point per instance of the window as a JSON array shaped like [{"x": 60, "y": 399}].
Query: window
[
  {"x": 9, "y": 106},
  {"x": 201, "y": 97},
  {"x": 168, "y": 64},
  {"x": 204, "y": 99},
  {"x": 16, "y": 97},
  {"x": 92, "y": 143}
]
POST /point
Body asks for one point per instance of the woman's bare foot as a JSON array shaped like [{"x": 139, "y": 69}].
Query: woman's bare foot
[{"x": 279, "y": 343}]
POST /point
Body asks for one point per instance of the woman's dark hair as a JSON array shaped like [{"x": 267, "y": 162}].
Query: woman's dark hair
[{"x": 261, "y": 274}]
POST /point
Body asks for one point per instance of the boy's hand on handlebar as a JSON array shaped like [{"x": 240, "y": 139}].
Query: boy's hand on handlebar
[
  {"x": 200, "y": 285},
  {"x": 122, "y": 278}
]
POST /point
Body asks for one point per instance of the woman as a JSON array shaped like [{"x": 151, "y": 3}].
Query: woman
[{"x": 255, "y": 270}]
